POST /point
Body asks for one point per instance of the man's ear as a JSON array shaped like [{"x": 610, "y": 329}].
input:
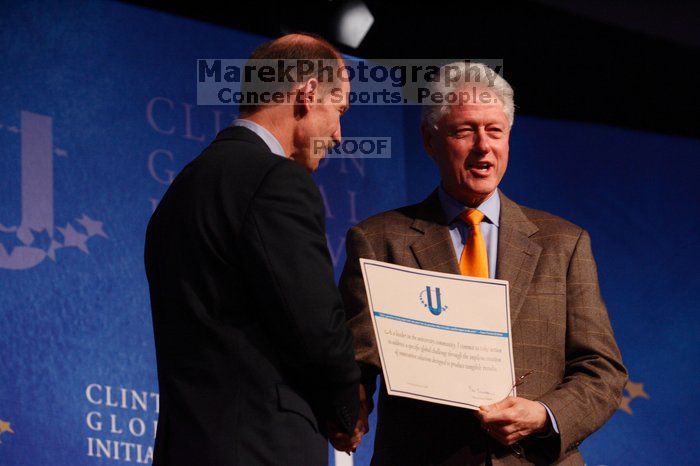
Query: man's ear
[
  {"x": 306, "y": 95},
  {"x": 427, "y": 132}
]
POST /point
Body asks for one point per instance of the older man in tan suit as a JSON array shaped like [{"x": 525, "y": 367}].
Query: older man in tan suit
[{"x": 562, "y": 338}]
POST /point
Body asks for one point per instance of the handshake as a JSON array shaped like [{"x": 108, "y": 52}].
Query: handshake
[
  {"x": 506, "y": 421},
  {"x": 349, "y": 442}
]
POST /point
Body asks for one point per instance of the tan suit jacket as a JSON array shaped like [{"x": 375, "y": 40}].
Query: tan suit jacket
[{"x": 560, "y": 329}]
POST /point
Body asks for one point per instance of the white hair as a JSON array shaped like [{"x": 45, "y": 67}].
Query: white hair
[{"x": 461, "y": 74}]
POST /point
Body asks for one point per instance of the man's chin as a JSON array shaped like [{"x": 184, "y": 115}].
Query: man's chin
[
  {"x": 475, "y": 193},
  {"x": 314, "y": 161},
  {"x": 484, "y": 186},
  {"x": 309, "y": 164}
]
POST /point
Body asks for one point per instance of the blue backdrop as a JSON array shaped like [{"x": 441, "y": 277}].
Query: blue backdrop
[{"x": 98, "y": 114}]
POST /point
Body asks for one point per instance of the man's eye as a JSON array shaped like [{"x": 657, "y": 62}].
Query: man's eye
[{"x": 462, "y": 132}]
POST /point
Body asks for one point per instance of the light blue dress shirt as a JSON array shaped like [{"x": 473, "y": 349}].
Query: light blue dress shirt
[
  {"x": 272, "y": 143},
  {"x": 491, "y": 208}
]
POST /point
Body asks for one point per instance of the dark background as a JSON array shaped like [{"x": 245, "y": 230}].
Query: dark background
[{"x": 629, "y": 64}]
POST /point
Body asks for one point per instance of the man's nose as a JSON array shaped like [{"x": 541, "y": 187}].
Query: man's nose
[{"x": 481, "y": 144}]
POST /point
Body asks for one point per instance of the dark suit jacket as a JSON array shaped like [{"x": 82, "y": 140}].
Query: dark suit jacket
[
  {"x": 252, "y": 349},
  {"x": 560, "y": 329}
]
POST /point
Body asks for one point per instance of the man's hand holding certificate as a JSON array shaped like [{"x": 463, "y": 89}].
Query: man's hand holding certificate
[{"x": 442, "y": 338}]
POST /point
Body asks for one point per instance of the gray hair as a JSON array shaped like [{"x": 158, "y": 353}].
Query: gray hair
[{"x": 467, "y": 73}]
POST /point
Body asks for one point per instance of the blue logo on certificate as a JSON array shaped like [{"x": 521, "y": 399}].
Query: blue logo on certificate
[{"x": 432, "y": 300}]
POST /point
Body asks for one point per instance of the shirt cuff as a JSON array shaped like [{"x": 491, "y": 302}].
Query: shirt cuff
[{"x": 552, "y": 421}]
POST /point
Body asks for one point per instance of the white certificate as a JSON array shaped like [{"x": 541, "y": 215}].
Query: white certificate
[{"x": 441, "y": 337}]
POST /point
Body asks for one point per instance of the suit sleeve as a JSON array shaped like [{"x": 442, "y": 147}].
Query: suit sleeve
[
  {"x": 594, "y": 376},
  {"x": 285, "y": 228},
  {"x": 352, "y": 289}
]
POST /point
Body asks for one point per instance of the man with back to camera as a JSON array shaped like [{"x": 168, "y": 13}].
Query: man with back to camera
[
  {"x": 255, "y": 363},
  {"x": 562, "y": 339}
]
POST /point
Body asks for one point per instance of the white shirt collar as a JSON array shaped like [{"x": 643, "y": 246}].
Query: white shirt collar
[{"x": 272, "y": 143}]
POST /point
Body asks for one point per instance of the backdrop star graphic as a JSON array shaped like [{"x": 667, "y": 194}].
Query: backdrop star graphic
[
  {"x": 625, "y": 405},
  {"x": 92, "y": 227},
  {"x": 5, "y": 428},
  {"x": 51, "y": 252},
  {"x": 636, "y": 390},
  {"x": 40, "y": 239},
  {"x": 32, "y": 240},
  {"x": 71, "y": 237},
  {"x": 632, "y": 390},
  {"x": 10, "y": 241}
]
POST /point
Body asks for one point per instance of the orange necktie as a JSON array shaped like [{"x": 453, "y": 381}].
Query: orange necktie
[{"x": 474, "y": 261}]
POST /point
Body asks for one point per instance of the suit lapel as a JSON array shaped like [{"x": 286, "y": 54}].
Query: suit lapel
[
  {"x": 433, "y": 250},
  {"x": 517, "y": 253}
]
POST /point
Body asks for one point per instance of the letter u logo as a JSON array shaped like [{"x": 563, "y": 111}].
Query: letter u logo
[
  {"x": 37, "y": 192},
  {"x": 437, "y": 309}
]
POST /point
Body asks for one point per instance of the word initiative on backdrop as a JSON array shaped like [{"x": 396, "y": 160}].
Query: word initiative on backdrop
[{"x": 122, "y": 423}]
